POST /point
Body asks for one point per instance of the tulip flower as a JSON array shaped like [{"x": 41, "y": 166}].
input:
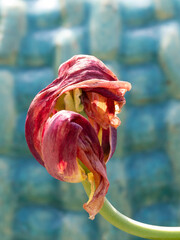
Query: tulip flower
[
  {"x": 71, "y": 130},
  {"x": 71, "y": 125}
]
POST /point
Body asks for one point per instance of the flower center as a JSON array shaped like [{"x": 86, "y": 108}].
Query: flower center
[{"x": 70, "y": 101}]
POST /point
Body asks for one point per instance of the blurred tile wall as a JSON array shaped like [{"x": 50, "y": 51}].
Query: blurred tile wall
[{"x": 138, "y": 40}]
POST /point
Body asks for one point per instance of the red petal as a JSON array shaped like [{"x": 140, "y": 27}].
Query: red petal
[{"x": 59, "y": 148}]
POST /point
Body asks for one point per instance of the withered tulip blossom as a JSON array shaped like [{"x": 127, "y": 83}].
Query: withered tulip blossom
[{"x": 71, "y": 124}]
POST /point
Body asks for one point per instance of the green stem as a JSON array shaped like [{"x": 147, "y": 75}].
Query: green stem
[{"x": 134, "y": 227}]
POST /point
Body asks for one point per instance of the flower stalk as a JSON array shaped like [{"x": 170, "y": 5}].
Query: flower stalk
[{"x": 133, "y": 227}]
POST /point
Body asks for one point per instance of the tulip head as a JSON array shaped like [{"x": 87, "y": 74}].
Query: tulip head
[{"x": 71, "y": 125}]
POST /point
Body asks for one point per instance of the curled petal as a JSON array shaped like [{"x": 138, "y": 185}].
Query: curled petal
[
  {"x": 101, "y": 109},
  {"x": 70, "y": 142}
]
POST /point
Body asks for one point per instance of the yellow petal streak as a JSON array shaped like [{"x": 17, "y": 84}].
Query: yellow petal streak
[
  {"x": 100, "y": 136},
  {"x": 92, "y": 183}
]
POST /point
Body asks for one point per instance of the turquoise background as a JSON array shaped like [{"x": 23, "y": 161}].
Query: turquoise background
[{"x": 140, "y": 42}]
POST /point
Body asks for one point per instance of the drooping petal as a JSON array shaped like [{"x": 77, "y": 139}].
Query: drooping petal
[{"x": 69, "y": 141}]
